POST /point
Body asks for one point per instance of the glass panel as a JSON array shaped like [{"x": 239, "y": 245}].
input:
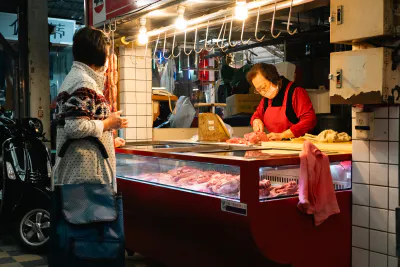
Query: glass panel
[
  {"x": 283, "y": 181},
  {"x": 206, "y": 178}
]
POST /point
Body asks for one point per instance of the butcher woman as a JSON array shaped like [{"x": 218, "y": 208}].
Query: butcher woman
[{"x": 286, "y": 110}]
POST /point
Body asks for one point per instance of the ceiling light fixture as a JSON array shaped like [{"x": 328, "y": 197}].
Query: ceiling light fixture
[
  {"x": 180, "y": 22},
  {"x": 143, "y": 38},
  {"x": 241, "y": 12}
]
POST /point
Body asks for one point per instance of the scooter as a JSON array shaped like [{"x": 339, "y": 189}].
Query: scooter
[{"x": 25, "y": 170}]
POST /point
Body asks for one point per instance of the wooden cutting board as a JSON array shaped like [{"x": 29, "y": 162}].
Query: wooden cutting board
[{"x": 345, "y": 147}]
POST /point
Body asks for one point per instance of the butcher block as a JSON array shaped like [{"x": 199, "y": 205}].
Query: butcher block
[
  {"x": 345, "y": 147},
  {"x": 219, "y": 205}
]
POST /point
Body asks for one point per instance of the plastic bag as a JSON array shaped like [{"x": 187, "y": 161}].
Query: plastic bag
[{"x": 184, "y": 113}]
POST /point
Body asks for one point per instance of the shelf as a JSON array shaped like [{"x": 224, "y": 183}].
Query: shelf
[{"x": 163, "y": 98}]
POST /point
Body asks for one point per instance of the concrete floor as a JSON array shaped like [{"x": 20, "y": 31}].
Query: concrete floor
[{"x": 12, "y": 255}]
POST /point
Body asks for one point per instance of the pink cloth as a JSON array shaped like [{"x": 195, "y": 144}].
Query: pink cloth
[{"x": 316, "y": 192}]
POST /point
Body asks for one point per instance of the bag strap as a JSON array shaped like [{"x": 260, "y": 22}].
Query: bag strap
[
  {"x": 64, "y": 149},
  {"x": 290, "y": 114}
]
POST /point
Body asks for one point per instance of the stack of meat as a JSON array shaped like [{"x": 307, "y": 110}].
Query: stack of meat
[
  {"x": 268, "y": 190},
  {"x": 250, "y": 139},
  {"x": 110, "y": 86},
  {"x": 192, "y": 178},
  {"x": 215, "y": 182}
]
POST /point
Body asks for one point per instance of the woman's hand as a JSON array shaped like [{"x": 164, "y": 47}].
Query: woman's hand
[
  {"x": 258, "y": 125},
  {"x": 279, "y": 136},
  {"x": 119, "y": 142},
  {"x": 115, "y": 122},
  {"x": 275, "y": 136}
]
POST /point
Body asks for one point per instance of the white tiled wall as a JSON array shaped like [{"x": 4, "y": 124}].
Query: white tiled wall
[
  {"x": 135, "y": 92},
  {"x": 376, "y": 192}
]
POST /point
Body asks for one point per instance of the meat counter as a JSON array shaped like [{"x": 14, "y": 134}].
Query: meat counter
[{"x": 214, "y": 205}]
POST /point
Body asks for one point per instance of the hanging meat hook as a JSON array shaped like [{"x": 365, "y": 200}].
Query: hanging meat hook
[
  {"x": 205, "y": 41},
  {"x": 184, "y": 46},
  {"x": 155, "y": 49},
  {"x": 288, "y": 22},
  {"x": 223, "y": 37},
  {"x": 105, "y": 29},
  {"x": 165, "y": 41},
  {"x": 195, "y": 43},
  {"x": 230, "y": 34},
  {"x": 241, "y": 35},
  {"x": 258, "y": 19},
  {"x": 273, "y": 24},
  {"x": 173, "y": 47}
]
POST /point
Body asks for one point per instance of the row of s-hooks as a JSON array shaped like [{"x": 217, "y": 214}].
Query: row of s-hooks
[{"x": 220, "y": 42}]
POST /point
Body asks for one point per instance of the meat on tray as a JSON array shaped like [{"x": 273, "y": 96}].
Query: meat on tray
[
  {"x": 289, "y": 188},
  {"x": 250, "y": 139},
  {"x": 223, "y": 183},
  {"x": 215, "y": 182}
]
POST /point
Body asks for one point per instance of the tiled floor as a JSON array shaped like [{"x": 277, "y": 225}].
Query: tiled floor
[{"x": 11, "y": 255}]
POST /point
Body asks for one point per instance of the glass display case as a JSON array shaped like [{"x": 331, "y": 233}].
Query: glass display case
[
  {"x": 176, "y": 194},
  {"x": 206, "y": 178},
  {"x": 223, "y": 180}
]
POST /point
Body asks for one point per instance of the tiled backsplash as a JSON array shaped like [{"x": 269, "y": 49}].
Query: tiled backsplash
[
  {"x": 376, "y": 192},
  {"x": 135, "y": 93}
]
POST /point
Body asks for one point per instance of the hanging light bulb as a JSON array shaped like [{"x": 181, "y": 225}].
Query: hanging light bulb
[
  {"x": 241, "y": 12},
  {"x": 143, "y": 38},
  {"x": 180, "y": 22}
]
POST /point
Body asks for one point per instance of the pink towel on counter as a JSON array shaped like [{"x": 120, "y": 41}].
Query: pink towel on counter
[{"x": 316, "y": 192}]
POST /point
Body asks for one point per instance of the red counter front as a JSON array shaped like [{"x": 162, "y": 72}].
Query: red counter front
[{"x": 180, "y": 227}]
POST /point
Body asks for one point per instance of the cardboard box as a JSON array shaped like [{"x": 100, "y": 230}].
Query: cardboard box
[{"x": 242, "y": 103}]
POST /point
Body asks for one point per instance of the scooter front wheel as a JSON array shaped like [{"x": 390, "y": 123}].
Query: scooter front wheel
[{"x": 33, "y": 229}]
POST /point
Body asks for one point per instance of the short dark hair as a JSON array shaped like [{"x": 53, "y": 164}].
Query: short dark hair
[
  {"x": 267, "y": 70},
  {"x": 90, "y": 46}
]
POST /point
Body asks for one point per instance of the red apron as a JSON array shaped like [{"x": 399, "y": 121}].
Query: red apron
[{"x": 275, "y": 119}]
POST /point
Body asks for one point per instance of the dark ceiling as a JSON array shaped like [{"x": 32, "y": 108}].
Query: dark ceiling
[
  {"x": 64, "y": 9},
  {"x": 67, "y": 9}
]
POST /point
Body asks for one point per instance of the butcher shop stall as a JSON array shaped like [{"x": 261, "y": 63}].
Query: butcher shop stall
[{"x": 200, "y": 187}]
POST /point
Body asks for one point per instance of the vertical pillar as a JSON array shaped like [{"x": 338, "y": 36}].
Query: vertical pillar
[
  {"x": 135, "y": 92},
  {"x": 376, "y": 191},
  {"x": 38, "y": 61}
]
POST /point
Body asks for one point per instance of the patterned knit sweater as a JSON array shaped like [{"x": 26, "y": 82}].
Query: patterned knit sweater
[{"x": 82, "y": 107}]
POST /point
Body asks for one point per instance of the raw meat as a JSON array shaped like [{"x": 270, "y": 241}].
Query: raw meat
[
  {"x": 222, "y": 183},
  {"x": 110, "y": 86},
  {"x": 250, "y": 139},
  {"x": 289, "y": 188},
  {"x": 264, "y": 188},
  {"x": 215, "y": 182},
  {"x": 256, "y": 137},
  {"x": 241, "y": 141}
]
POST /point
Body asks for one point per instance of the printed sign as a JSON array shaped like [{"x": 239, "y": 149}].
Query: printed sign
[
  {"x": 99, "y": 11},
  {"x": 234, "y": 207},
  {"x": 63, "y": 33}
]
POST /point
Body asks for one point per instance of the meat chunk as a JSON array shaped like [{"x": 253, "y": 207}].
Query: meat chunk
[
  {"x": 255, "y": 137},
  {"x": 240, "y": 141},
  {"x": 264, "y": 188},
  {"x": 289, "y": 188},
  {"x": 223, "y": 183},
  {"x": 250, "y": 139}
]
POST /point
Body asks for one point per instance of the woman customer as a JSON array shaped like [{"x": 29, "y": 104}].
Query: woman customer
[
  {"x": 82, "y": 111},
  {"x": 286, "y": 110}
]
